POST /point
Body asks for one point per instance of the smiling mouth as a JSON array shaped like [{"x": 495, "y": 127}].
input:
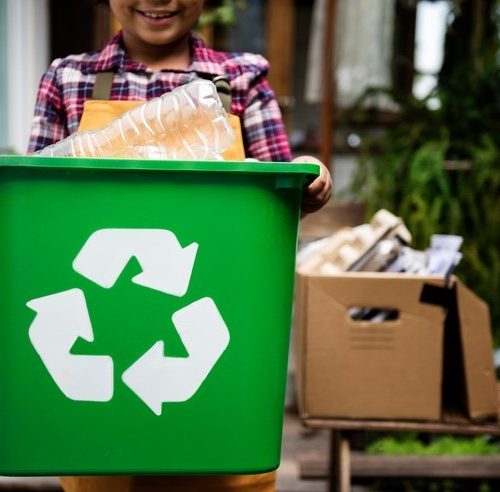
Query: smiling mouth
[{"x": 156, "y": 15}]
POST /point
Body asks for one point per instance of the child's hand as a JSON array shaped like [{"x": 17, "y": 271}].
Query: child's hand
[{"x": 319, "y": 191}]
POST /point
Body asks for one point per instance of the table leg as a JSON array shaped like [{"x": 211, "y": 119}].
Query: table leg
[{"x": 340, "y": 463}]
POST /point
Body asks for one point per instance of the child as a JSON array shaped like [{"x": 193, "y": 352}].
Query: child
[{"x": 154, "y": 53}]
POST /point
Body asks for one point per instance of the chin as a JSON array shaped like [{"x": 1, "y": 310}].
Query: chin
[{"x": 161, "y": 39}]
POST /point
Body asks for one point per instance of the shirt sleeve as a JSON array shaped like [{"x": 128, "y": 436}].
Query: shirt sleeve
[
  {"x": 49, "y": 121},
  {"x": 264, "y": 133}
]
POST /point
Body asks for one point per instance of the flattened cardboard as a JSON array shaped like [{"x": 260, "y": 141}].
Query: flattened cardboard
[
  {"x": 477, "y": 346},
  {"x": 393, "y": 369}
]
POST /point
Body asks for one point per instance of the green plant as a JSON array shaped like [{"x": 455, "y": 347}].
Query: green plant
[
  {"x": 409, "y": 444},
  {"x": 439, "y": 168},
  {"x": 222, "y": 12}
]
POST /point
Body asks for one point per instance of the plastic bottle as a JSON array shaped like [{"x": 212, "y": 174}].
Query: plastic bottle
[{"x": 188, "y": 123}]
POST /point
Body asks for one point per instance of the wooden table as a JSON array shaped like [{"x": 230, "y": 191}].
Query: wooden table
[{"x": 341, "y": 463}]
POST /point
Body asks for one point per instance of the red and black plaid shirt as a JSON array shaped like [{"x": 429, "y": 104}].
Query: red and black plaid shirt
[{"x": 70, "y": 81}]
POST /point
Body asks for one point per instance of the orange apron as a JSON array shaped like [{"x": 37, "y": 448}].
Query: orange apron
[
  {"x": 264, "y": 482},
  {"x": 98, "y": 112}
]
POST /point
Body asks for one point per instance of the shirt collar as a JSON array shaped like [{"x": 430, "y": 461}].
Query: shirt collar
[{"x": 114, "y": 58}]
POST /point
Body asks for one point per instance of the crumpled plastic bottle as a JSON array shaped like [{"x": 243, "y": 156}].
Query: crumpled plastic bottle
[{"x": 188, "y": 123}]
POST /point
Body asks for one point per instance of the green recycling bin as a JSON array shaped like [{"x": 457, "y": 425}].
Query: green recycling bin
[{"x": 145, "y": 314}]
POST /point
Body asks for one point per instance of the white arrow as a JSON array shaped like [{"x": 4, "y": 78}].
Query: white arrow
[
  {"x": 62, "y": 318},
  {"x": 155, "y": 378},
  {"x": 166, "y": 266}
]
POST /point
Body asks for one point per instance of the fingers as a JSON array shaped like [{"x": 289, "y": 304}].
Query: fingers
[
  {"x": 317, "y": 194},
  {"x": 322, "y": 183}
]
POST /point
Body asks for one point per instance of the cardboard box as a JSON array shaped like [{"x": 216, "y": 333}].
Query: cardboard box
[{"x": 436, "y": 355}]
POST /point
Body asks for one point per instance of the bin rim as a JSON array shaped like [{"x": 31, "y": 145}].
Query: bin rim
[{"x": 308, "y": 170}]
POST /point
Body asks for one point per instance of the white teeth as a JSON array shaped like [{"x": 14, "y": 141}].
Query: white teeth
[{"x": 156, "y": 16}]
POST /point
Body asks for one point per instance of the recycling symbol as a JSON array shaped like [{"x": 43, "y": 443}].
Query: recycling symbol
[{"x": 63, "y": 317}]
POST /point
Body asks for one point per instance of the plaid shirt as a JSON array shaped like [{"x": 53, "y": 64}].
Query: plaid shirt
[{"x": 70, "y": 81}]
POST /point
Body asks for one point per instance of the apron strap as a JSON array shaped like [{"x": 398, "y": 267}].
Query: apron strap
[
  {"x": 102, "y": 86},
  {"x": 223, "y": 90}
]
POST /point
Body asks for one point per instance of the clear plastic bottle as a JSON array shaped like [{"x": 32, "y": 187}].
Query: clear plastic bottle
[{"x": 188, "y": 123}]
